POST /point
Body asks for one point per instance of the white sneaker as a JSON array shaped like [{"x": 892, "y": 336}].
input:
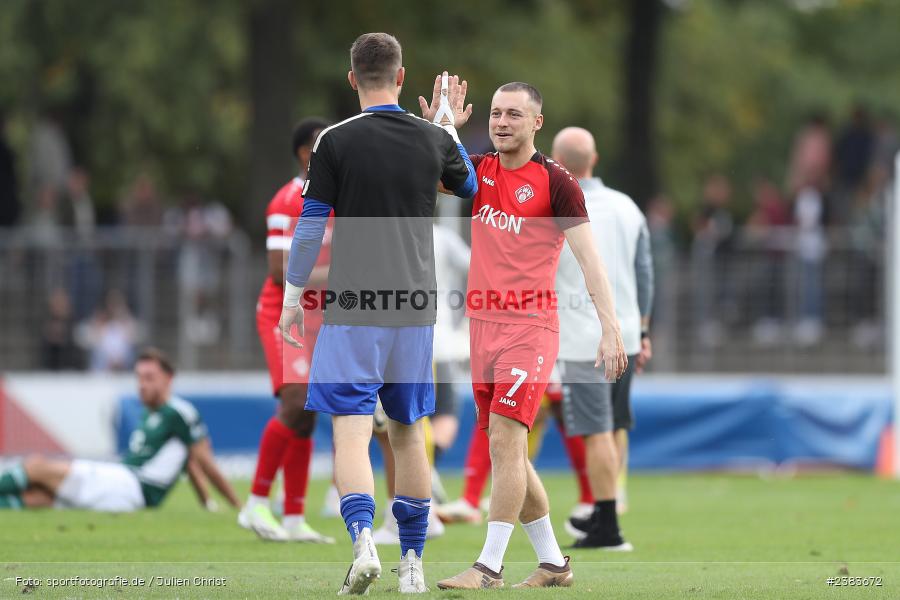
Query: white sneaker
[
  {"x": 366, "y": 567},
  {"x": 458, "y": 511},
  {"x": 332, "y": 505},
  {"x": 582, "y": 510},
  {"x": 303, "y": 532},
  {"x": 260, "y": 520},
  {"x": 410, "y": 574}
]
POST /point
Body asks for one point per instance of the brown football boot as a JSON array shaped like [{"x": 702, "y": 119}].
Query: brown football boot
[
  {"x": 547, "y": 575},
  {"x": 476, "y": 577}
]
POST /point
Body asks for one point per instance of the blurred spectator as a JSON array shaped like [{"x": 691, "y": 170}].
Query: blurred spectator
[
  {"x": 200, "y": 224},
  {"x": 811, "y": 247},
  {"x": 765, "y": 234},
  {"x": 78, "y": 211},
  {"x": 868, "y": 228},
  {"x": 58, "y": 349},
  {"x": 9, "y": 189},
  {"x": 660, "y": 223},
  {"x": 141, "y": 206},
  {"x": 852, "y": 156},
  {"x": 85, "y": 273},
  {"x": 810, "y": 160},
  {"x": 110, "y": 335},
  {"x": 713, "y": 230},
  {"x": 49, "y": 165},
  {"x": 887, "y": 145}
]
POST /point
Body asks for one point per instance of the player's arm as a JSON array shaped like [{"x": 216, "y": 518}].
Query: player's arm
[
  {"x": 643, "y": 269},
  {"x": 201, "y": 454},
  {"x": 612, "y": 350},
  {"x": 278, "y": 245},
  {"x": 200, "y": 485},
  {"x": 319, "y": 195}
]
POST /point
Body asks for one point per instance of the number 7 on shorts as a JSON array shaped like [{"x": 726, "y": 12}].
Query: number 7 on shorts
[{"x": 522, "y": 376}]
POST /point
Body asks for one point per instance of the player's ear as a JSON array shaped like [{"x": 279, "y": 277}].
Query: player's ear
[
  {"x": 594, "y": 158},
  {"x": 401, "y": 75},
  {"x": 538, "y": 122},
  {"x": 352, "y": 79}
]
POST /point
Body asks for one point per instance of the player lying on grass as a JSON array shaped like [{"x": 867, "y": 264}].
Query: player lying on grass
[{"x": 170, "y": 439}]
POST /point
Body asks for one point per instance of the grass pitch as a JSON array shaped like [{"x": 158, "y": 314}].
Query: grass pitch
[{"x": 695, "y": 537}]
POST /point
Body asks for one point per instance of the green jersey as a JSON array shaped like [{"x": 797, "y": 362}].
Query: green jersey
[{"x": 158, "y": 449}]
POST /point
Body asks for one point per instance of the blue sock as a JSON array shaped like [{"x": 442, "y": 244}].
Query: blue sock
[
  {"x": 358, "y": 511},
  {"x": 412, "y": 521}
]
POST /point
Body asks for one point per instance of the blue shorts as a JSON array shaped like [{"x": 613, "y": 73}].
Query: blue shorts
[{"x": 354, "y": 365}]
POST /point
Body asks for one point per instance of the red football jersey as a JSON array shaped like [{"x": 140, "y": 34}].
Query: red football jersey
[
  {"x": 282, "y": 215},
  {"x": 518, "y": 219}
]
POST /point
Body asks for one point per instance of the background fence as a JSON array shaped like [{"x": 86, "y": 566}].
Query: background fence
[{"x": 751, "y": 302}]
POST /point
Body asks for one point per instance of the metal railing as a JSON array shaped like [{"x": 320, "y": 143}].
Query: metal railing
[
  {"x": 753, "y": 304},
  {"x": 194, "y": 298},
  {"x": 768, "y": 301}
]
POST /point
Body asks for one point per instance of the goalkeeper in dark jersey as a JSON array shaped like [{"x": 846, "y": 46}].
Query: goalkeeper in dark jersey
[{"x": 171, "y": 439}]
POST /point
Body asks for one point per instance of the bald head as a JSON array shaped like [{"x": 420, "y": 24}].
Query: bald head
[{"x": 574, "y": 148}]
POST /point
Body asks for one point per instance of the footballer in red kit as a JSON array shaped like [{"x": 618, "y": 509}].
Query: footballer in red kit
[
  {"x": 518, "y": 219},
  {"x": 526, "y": 206},
  {"x": 286, "y": 363},
  {"x": 286, "y": 441}
]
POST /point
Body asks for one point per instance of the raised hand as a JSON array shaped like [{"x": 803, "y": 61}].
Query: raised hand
[{"x": 459, "y": 113}]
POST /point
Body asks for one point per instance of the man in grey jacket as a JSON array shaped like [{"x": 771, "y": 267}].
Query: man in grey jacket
[{"x": 592, "y": 407}]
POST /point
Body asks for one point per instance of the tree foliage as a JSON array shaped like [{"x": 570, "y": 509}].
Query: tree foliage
[{"x": 164, "y": 85}]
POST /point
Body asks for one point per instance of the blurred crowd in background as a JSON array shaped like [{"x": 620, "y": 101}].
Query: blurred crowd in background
[
  {"x": 137, "y": 158},
  {"x": 834, "y": 198}
]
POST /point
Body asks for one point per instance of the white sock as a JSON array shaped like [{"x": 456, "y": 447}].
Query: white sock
[
  {"x": 292, "y": 521},
  {"x": 543, "y": 540},
  {"x": 498, "y": 535},
  {"x": 253, "y": 501}
]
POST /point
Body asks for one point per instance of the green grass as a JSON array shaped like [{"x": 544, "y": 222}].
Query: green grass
[{"x": 696, "y": 537}]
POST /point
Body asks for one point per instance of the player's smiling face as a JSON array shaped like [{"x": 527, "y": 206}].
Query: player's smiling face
[{"x": 514, "y": 120}]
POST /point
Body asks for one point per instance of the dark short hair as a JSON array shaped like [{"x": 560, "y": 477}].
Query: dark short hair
[
  {"x": 305, "y": 131},
  {"x": 375, "y": 59},
  {"x": 158, "y": 356},
  {"x": 518, "y": 86}
]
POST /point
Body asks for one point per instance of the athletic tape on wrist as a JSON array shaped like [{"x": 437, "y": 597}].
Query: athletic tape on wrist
[{"x": 292, "y": 294}]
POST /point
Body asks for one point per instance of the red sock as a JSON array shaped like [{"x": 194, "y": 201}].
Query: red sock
[
  {"x": 577, "y": 456},
  {"x": 478, "y": 466},
  {"x": 296, "y": 474},
  {"x": 275, "y": 439}
]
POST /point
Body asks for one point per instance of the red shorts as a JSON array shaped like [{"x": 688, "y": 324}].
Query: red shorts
[
  {"x": 286, "y": 363},
  {"x": 511, "y": 366}
]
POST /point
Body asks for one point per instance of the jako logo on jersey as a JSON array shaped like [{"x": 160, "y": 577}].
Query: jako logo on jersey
[
  {"x": 524, "y": 194},
  {"x": 498, "y": 219},
  {"x": 490, "y": 182},
  {"x": 507, "y": 401}
]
